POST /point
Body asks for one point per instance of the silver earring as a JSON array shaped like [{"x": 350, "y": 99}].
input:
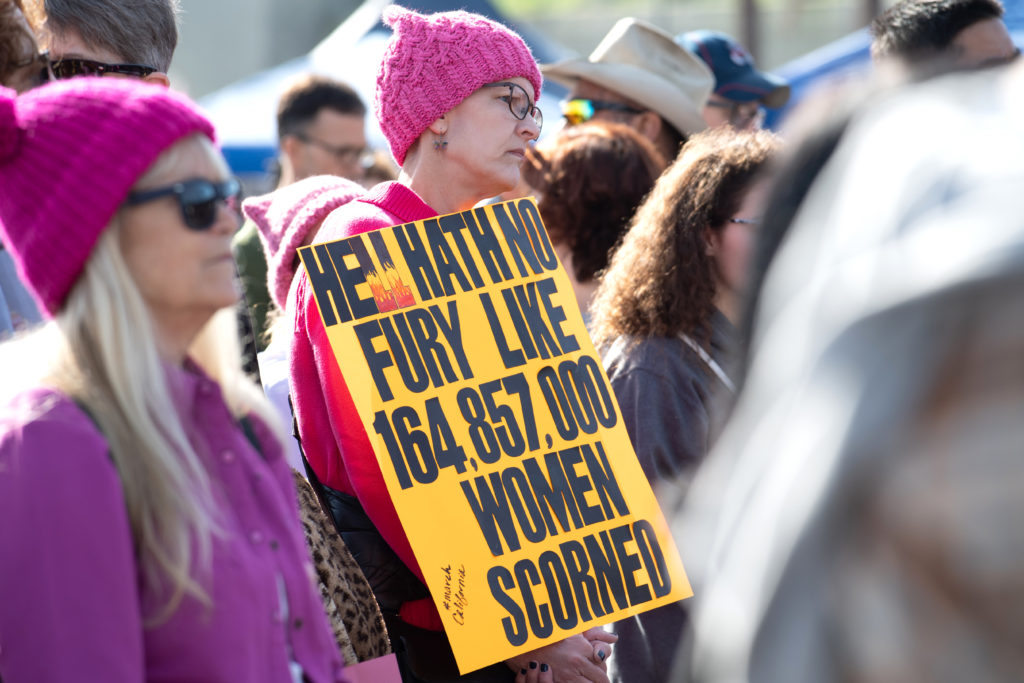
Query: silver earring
[{"x": 440, "y": 144}]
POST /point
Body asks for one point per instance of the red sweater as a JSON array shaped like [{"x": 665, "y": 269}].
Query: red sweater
[{"x": 332, "y": 434}]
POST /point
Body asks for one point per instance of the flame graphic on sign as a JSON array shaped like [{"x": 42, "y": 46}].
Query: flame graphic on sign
[{"x": 390, "y": 293}]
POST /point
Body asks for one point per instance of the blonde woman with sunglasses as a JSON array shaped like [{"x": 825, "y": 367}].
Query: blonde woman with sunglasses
[{"x": 151, "y": 528}]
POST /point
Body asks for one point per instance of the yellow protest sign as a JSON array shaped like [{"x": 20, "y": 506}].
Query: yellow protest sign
[{"x": 495, "y": 427}]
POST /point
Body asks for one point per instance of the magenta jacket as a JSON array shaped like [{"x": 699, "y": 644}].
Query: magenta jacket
[{"x": 73, "y": 596}]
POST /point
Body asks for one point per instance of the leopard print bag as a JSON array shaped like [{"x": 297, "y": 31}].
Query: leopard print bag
[{"x": 353, "y": 612}]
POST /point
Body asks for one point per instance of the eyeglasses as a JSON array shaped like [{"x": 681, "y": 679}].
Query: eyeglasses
[
  {"x": 198, "y": 197},
  {"x": 345, "y": 154},
  {"x": 39, "y": 70},
  {"x": 741, "y": 114},
  {"x": 72, "y": 67},
  {"x": 580, "y": 110},
  {"x": 519, "y": 102}
]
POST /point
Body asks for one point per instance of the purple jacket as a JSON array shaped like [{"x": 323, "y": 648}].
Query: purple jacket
[{"x": 74, "y": 598}]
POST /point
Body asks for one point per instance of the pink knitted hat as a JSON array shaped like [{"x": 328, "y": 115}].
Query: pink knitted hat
[
  {"x": 433, "y": 62},
  {"x": 70, "y": 151},
  {"x": 285, "y": 218}
]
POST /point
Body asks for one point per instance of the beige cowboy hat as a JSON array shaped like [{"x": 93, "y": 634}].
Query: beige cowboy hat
[{"x": 645, "y": 64}]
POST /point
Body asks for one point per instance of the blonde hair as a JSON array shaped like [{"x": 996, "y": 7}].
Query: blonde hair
[{"x": 102, "y": 352}]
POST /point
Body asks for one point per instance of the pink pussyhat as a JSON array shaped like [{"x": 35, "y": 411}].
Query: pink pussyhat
[
  {"x": 286, "y": 217},
  {"x": 435, "y": 61},
  {"x": 70, "y": 151}
]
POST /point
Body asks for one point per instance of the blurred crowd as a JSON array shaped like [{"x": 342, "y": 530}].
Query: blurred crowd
[{"x": 812, "y": 335}]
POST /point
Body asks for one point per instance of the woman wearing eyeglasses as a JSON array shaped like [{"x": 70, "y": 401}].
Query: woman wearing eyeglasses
[
  {"x": 151, "y": 525},
  {"x": 456, "y": 98},
  {"x": 665, "y": 312},
  {"x": 664, "y": 318}
]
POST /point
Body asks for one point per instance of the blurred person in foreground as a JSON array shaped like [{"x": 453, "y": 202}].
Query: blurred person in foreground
[
  {"x": 22, "y": 66},
  {"x": 111, "y": 37},
  {"x": 741, "y": 91},
  {"x": 639, "y": 76},
  {"x": 456, "y": 100},
  {"x": 960, "y": 34},
  {"x": 589, "y": 181},
  {"x": 159, "y": 535},
  {"x": 861, "y": 508},
  {"x": 321, "y": 126},
  {"x": 664, "y": 318}
]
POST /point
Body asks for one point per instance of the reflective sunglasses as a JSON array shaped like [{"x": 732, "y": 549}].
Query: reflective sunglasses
[
  {"x": 345, "y": 154},
  {"x": 72, "y": 67},
  {"x": 199, "y": 199},
  {"x": 580, "y": 110},
  {"x": 519, "y": 102}
]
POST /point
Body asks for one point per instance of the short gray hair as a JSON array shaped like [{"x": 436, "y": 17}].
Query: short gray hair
[{"x": 140, "y": 31}]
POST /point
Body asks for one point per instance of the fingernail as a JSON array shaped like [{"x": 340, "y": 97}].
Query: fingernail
[
  {"x": 522, "y": 671},
  {"x": 543, "y": 668},
  {"x": 533, "y": 665},
  {"x": 601, "y": 654}
]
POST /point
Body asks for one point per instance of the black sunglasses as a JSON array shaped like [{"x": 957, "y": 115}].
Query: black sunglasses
[
  {"x": 72, "y": 67},
  {"x": 197, "y": 197}
]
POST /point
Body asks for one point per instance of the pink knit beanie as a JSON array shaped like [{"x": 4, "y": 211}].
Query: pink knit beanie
[
  {"x": 70, "y": 151},
  {"x": 285, "y": 219},
  {"x": 433, "y": 62}
]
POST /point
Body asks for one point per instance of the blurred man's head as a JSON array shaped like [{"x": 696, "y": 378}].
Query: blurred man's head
[
  {"x": 741, "y": 91},
  {"x": 133, "y": 38},
  {"x": 638, "y": 76},
  {"x": 321, "y": 129},
  {"x": 967, "y": 33}
]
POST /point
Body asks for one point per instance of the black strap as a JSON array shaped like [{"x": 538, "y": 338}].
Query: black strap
[{"x": 314, "y": 481}]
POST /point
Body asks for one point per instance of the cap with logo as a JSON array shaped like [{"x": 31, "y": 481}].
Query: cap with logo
[{"x": 736, "y": 77}]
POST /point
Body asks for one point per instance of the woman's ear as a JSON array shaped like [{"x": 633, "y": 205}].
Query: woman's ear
[
  {"x": 439, "y": 126},
  {"x": 711, "y": 240}
]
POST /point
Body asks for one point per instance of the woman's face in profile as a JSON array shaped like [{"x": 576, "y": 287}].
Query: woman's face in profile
[
  {"x": 184, "y": 274},
  {"x": 733, "y": 244},
  {"x": 486, "y": 141}
]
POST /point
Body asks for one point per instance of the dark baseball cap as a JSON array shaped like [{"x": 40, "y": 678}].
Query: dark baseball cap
[{"x": 736, "y": 77}]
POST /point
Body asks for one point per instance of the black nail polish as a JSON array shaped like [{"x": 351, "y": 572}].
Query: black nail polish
[
  {"x": 522, "y": 671},
  {"x": 601, "y": 654},
  {"x": 543, "y": 668},
  {"x": 533, "y": 665}
]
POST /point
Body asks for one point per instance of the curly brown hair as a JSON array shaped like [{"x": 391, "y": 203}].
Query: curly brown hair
[
  {"x": 12, "y": 37},
  {"x": 661, "y": 279},
  {"x": 591, "y": 179}
]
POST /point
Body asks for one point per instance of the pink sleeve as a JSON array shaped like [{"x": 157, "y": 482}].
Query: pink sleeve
[
  {"x": 68, "y": 579},
  {"x": 326, "y": 409}
]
